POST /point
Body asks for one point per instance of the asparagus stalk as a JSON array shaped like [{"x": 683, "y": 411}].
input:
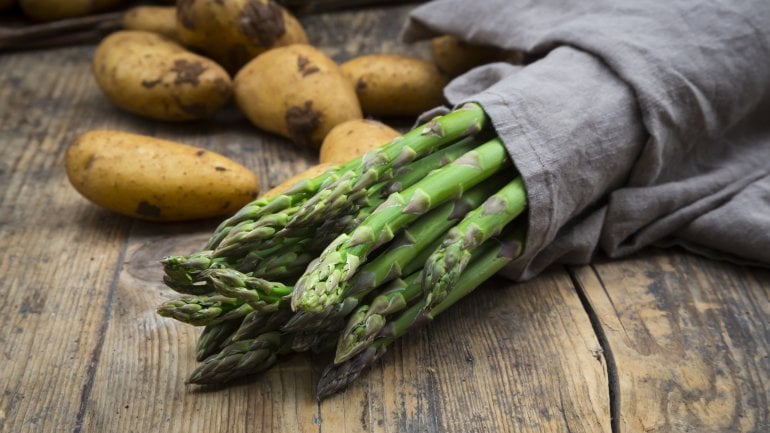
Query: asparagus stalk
[
  {"x": 409, "y": 174},
  {"x": 322, "y": 197},
  {"x": 214, "y": 337},
  {"x": 314, "y": 341},
  {"x": 319, "y": 286},
  {"x": 403, "y": 253},
  {"x": 260, "y": 322},
  {"x": 492, "y": 256},
  {"x": 416, "y": 237},
  {"x": 182, "y": 273},
  {"x": 204, "y": 310},
  {"x": 286, "y": 265},
  {"x": 275, "y": 231},
  {"x": 265, "y": 299},
  {"x": 249, "y": 235},
  {"x": 444, "y": 267},
  {"x": 253, "y": 211},
  {"x": 240, "y": 358},
  {"x": 257, "y": 234},
  {"x": 367, "y": 321},
  {"x": 379, "y": 164},
  {"x": 251, "y": 319},
  {"x": 403, "y": 177},
  {"x": 408, "y": 256},
  {"x": 260, "y": 294}
]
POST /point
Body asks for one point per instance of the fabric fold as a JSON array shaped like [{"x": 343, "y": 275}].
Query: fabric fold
[{"x": 638, "y": 123}]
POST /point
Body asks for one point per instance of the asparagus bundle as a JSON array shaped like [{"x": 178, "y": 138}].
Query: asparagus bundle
[
  {"x": 489, "y": 258},
  {"x": 349, "y": 261}
]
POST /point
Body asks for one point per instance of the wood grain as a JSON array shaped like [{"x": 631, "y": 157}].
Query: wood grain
[
  {"x": 510, "y": 358},
  {"x": 690, "y": 339},
  {"x": 58, "y": 260},
  {"x": 343, "y": 35}
]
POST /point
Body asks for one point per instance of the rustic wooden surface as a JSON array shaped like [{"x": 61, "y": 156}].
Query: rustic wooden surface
[{"x": 662, "y": 342}]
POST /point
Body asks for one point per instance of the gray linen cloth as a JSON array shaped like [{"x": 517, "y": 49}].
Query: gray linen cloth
[{"x": 644, "y": 122}]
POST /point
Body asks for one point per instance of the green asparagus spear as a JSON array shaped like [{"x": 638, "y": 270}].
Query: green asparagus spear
[
  {"x": 319, "y": 286},
  {"x": 204, "y": 310},
  {"x": 409, "y": 174},
  {"x": 248, "y": 244},
  {"x": 250, "y": 235},
  {"x": 367, "y": 321},
  {"x": 494, "y": 256},
  {"x": 407, "y": 250},
  {"x": 379, "y": 164},
  {"x": 444, "y": 267},
  {"x": 253, "y": 211},
  {"x": 260, "y": 294},
  {"x": 182, "y": 272},
  {"x": 260, "y": 322},
  {"x": 314, "y": 341},
  {"x": 416, "y": 237},
  {"x": 240, "y": 358},
  {"x": 287, "y": 264},
  {"x": 214, "y": 337},
  {"x": 342, "y": 221}
]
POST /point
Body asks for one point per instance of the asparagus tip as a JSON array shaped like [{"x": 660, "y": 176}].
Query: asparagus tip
[{"x": 337, "y": 377}]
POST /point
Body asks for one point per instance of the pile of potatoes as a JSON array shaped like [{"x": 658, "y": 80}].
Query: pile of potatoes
[{"x": 188, "y": 61}]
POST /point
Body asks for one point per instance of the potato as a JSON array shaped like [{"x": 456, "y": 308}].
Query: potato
[
  {"x": 159, "y": 180},
  {"x": 51, "y": 10},
  {"x": 152, "y": 76},
  {"x": 354, "y": 138},
  {"x": 156, "y": 19},
  {"x": 454, "y": 56},
  {"x": 297, "y": 92},
  {"x": 235, "y": 31},
  {"x": 310, "y": 173},
  {"x": 395, "y": 85}
]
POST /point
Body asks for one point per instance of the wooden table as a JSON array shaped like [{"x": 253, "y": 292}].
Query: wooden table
[{"x": 662, "y": 342}]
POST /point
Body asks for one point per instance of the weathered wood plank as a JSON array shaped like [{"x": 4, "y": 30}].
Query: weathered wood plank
[
  {"x": 150, "y": 358},
  {"x": 513, "y": 358},
  {"x": 690, "y": 339},
  {"x": 343, "y": 35},
  {"x": 59, "y": 254}
]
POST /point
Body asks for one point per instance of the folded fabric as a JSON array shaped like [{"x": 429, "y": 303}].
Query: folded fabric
[{"x": 644, "y": 122}]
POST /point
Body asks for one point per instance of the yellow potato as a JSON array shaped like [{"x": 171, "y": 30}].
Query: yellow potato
[
  {"x": 454, "y": 56},
  {"x": 395, "y": 85},
  {"x": 235, "y": 31},
  {"x": 297, "y": 92},
  {"x": 152, "y": 76},
  {"x": 156, "y": 19},
  {"x": 153, "y": 179},
  {"x": 354, "y": 138},
  {"x": 310, "y": 173},
  {"x": 51, "y": 10}
]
